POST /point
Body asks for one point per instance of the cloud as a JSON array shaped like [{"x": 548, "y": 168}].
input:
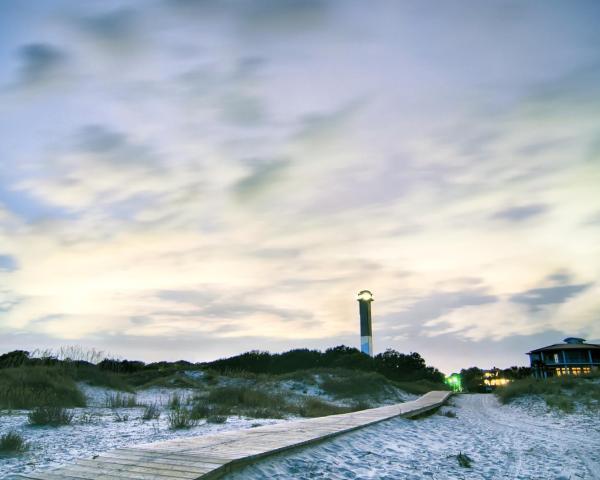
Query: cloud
[
  {"x": 435, "y": 305},
  {"x": 537, "y": 297},
  {"x": 8, "y": 263},
  {"x": 263, "y": 174},
  {"x": 521, "y": 213},
  {"x": 113, "y": 26},
  {"x": 213, "y": 305},
  {"x": 113, "y": 147},
  {"x": 268, "y": 160},
  {"x": 41, "y": 64},
  {"x": 242, "y": 109}
]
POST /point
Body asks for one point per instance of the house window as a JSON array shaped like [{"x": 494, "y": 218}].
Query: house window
[
  {"x": 577, "y": 357},
  {"x": 556, "y": 358}
]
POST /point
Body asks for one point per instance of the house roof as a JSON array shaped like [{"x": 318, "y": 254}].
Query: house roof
[{"x": 567, "y": 346}]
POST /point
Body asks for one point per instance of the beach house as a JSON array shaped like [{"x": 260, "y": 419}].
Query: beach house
[{"x": 573, "y": 357}]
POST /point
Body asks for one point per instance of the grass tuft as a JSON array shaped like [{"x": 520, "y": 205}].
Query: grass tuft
[
  {"x": 464, "y": 460},
  {"x": 51, "y": 416},
  {"x": 181, "y": 418},
  {"x": 12, "y": 443},
  {"x": 151, "y": 412}
]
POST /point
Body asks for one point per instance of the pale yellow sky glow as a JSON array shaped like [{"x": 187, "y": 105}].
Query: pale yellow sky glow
[{"x": 180, "y": 181}]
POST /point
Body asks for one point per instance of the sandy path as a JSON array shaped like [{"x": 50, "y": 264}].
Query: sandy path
[{"x": 505, "y": 442}]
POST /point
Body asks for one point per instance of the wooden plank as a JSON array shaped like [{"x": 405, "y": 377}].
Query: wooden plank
[
  {"x": 211, "y": 456},
  {"x": 119, "y": 457},
  {"x": 147, "y": 467}
]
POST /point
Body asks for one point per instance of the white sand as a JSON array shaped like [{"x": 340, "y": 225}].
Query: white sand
[
  {"x": 53, "y": 446},
  {"x": 521, "y": 441}
]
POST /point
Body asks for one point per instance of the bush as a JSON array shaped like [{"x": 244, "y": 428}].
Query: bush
[
  {"x": 392, "y": 364},
  {"x": 53, "y": 416},
  {"x": 181, "y": 418},
  {"x": 12, "y": 443}
]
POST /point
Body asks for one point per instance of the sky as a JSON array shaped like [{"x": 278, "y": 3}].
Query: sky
[{"x": 191, "y": 179}]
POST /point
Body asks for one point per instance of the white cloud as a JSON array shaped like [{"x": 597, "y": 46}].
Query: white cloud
[{"x": 372, "y": 161}]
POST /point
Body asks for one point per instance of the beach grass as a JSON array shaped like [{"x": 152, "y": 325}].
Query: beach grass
[
  {"x": 120, "y": 400},
  {"x": 151, "y": 412},
  {"x": 181, "y": 418},
  {"x": 50, "y": 416},
  {"x": 12, "y": 443},
  {"x": 561, "y": 393},
  {"x": 28, "y": 387}
]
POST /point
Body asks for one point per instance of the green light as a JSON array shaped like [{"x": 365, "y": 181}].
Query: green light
[{"x": 454, "y": 382}]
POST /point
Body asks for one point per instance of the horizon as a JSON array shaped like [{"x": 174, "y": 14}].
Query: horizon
[{"x": 185, "y": 179}]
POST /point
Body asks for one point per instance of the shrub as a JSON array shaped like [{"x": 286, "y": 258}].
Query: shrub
[
  {"x": 12, "y": 443},
  {"x": 464, "y": 460},
  {"x": 28, "y": 387},
  {"x": 392, "y": 364},
  {"x": 151, "y": 412},
  {"x": 119, "y": 400},
  {"x": 181, "y": 418},
  {"x": 53, "y": 416}
]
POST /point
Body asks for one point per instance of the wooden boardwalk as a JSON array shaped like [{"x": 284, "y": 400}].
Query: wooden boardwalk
[{"x": 212, "y": 456}]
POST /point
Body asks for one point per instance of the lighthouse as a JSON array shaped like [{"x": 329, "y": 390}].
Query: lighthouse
[{"x": 366, "y": 332}]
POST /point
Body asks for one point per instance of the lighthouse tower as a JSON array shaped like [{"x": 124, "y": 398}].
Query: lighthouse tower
[{"x": 366, "y": 332}]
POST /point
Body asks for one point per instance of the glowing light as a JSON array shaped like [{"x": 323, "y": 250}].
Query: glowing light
[
  {"x": 454, "y": 382},
  {"x": 365, "y": 296}
]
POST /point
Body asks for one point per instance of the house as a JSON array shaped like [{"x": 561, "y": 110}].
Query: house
[
  {"x": 573, "y": 357},
  {"x": 494, "y": 378}
]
